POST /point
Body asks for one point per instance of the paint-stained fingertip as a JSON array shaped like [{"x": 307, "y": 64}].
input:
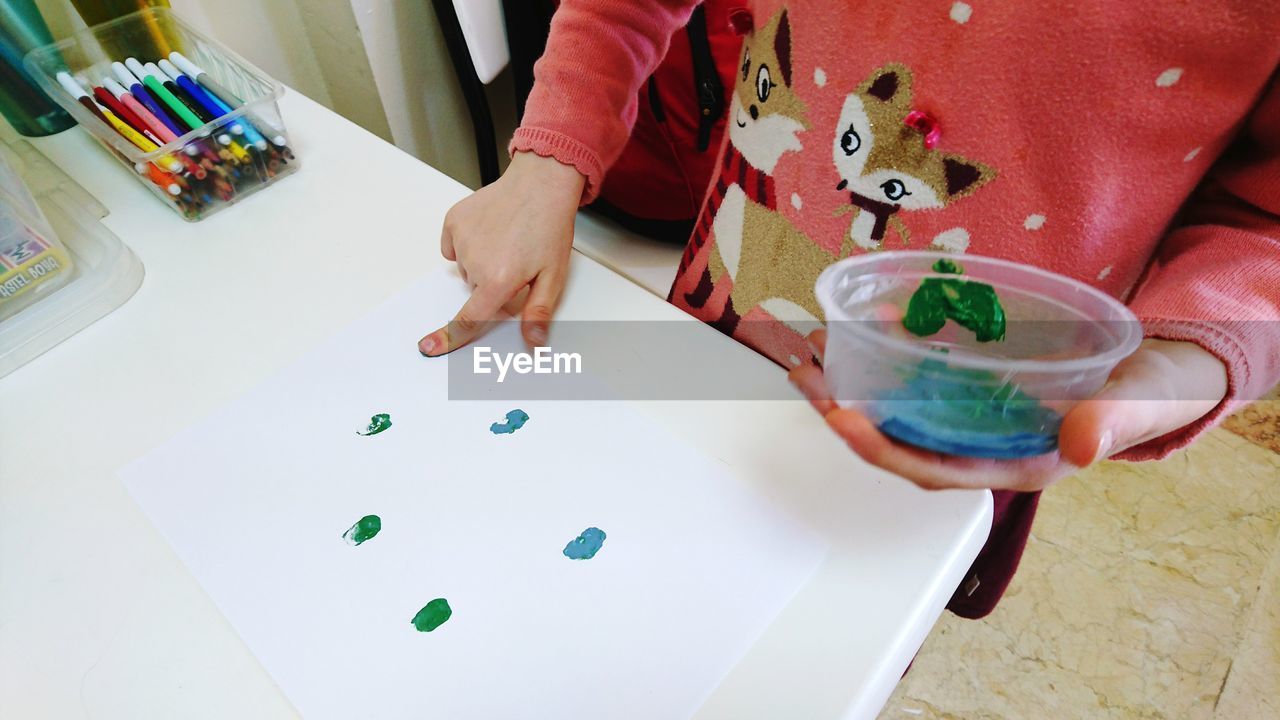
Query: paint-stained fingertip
[
  {"x": 536, "y": 335},
  {"x": 432, "y": 345}
]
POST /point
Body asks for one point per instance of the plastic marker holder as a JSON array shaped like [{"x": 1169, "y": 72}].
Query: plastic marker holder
[{"x": 200, "y": 128}]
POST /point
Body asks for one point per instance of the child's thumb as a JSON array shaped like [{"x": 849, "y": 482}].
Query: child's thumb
[{"x": 1120, "y": 416}]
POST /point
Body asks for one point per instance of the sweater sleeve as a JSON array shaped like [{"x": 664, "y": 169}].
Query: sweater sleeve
[
  {"x": 1215, "y": 279},
  {"x": 583, "y": 102}
]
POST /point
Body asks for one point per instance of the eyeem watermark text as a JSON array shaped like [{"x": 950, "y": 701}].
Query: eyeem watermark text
[{"x": 540, "y": 362}]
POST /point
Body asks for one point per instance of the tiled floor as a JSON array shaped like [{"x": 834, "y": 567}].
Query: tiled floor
[{"x": 1147, "y": 591}]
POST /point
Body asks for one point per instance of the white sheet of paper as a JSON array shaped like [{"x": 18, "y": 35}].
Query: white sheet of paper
[{"x": 256, "y": 497}]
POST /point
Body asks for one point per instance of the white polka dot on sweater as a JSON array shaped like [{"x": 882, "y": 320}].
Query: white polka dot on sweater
[
  {"x": 953, "y": 240},
  {"x": 796, "y": 202},
  {"x": 961, "y": 12},
  {"x": 794, "y": 360},
  {"x": 1034, "y": 222},
  {"x": 1191, "y": 155},
  {"x": 1169, "y": 77},
  {"x": 819, "y": 77},
  {"x": 1105, "y": 272}
]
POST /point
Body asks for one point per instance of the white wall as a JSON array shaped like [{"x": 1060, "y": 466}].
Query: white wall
[
  {"x": 270, "y": 34},
  {"x": 265, "y": 32}
]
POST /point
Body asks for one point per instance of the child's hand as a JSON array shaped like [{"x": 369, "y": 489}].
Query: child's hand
[
  {"x": 1160, "y": 388},
  {"x": 508, "y": 236}
]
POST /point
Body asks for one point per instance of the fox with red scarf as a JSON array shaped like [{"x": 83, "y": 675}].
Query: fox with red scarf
[{"x": 748, "y": 237}]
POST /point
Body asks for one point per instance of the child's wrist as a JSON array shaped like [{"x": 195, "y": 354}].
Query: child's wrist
[{"x": 548, "y": 173}]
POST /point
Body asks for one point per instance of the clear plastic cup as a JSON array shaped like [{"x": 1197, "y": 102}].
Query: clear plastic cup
[{"x": 948, "y": 392}]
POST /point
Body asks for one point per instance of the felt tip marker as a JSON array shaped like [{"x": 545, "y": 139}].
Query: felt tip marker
[
  {"x": 112, "y": 103},
  {"x": 210, "y": 96},
  {"x": 162, "y": 179},
  {"x": 158, "y": 89},
  {"x": 190, "y": 95},
  {"x": 158, "y": 113},
  {"x": 180, "y": 117},
  {"x": 138, "y": 140},
  {"x": 75, "y": 90},
  {"x": 129, "y": 133},
  {"x": 140, "y": 93},
  {"x": 239, "y": 152},
  {"x": 136, "y": 68},
  {"x": 183, "y": 96},
  {"x": 214, "y": 108},
  {"x": 157, "y": 128},
  {"x": 218, "y": 92}
]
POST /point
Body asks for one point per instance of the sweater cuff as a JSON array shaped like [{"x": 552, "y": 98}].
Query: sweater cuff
[
  {"x": 566, "y": 151},
  {"x": 1219, "y": 341}
]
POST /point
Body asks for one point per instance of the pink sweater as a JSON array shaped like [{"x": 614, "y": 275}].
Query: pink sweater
[
  {"x": 1067, "y": 136},
  {"x": 1133, "y": 146}
]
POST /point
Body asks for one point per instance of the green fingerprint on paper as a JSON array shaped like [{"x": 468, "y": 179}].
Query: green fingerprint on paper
[
  {"x": 364, "y": 529},
  {"x": 433, "y": 615},
  {"x": 377, "y": 424}
]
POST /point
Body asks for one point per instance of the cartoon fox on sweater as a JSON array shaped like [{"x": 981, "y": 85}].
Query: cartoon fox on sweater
[
  {"x": 760, "y": 250},
  {"x": 884, "y": 153}
]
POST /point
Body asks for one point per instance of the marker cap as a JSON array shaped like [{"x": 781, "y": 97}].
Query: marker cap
[
  {"x": 69, "y": 84},
  {"x": 136, "y": 68},
  {"x": 114, "y": 87},
  {"x": 122, "y": 74},
  {"x": 187, "y": 67},
  {"x": 169, "y": 69}
]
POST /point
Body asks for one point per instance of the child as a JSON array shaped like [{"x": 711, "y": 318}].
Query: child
[{"x": 1132, "y": 146}]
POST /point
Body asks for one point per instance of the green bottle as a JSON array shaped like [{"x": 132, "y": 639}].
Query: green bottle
[{"x": 22, "y": 103}]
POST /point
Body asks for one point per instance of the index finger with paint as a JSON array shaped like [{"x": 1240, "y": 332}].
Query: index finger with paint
[{"x": 481, "y": 309}]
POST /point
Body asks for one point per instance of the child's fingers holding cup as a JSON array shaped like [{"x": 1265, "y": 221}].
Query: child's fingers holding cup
[{"x": 936, "y": 471}]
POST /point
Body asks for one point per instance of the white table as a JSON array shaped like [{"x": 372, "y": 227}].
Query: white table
[
  {"x": 99, "y": 619},
  {"x": 649, "y": 263}
]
